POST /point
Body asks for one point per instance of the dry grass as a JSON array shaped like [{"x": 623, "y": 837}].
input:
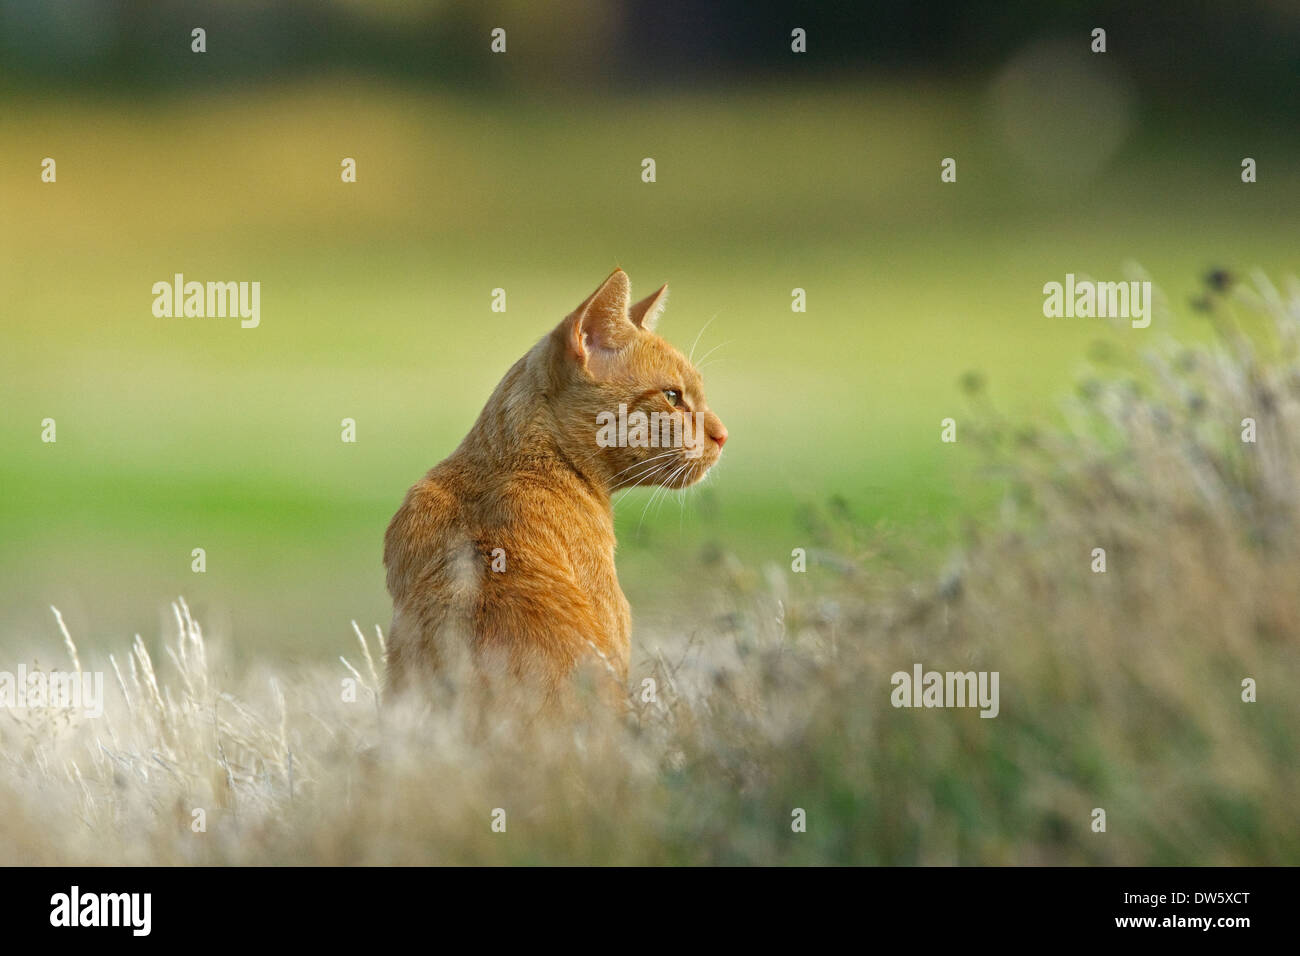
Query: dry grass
[{"x": 1119, "y": 690}]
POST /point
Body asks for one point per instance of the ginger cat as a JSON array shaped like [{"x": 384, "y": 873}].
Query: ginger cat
[{"x": 501, "y": 558}]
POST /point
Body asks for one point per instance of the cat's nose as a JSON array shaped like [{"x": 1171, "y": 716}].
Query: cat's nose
[{"x": 720, "y": 436}]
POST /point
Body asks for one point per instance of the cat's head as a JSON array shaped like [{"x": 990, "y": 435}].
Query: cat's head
[{"x": 631, "y": 407}]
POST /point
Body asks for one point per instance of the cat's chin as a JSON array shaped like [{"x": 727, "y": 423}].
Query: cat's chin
[
  {"x": 679, "y": 475},
  {"x": 693, "y": 474}
]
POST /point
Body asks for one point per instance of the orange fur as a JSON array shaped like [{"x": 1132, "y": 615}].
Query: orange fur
[{"x": 530, "y": 479}]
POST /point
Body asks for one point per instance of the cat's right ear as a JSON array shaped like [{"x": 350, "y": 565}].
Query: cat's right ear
[
  {"x": 645, "y": 314},
  {"x": 601, "y": 326}
]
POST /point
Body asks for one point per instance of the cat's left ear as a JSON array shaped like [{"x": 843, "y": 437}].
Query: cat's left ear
[
  {"x": 645, "y": 314},
  {"x": 601, "y": 326}
]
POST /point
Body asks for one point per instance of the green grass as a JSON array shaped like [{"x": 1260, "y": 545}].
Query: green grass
[{"x": 176, "y": 434}]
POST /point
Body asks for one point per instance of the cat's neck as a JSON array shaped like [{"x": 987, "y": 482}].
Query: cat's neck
[{"x": 518, "y": 431}]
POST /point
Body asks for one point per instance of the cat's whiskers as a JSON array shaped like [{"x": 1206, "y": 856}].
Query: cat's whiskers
[
  {"x": 670, "y": 484},
  {"x": 613, "y": 478},
  {"x": 703, "y": 358},
  {"x": 685, "y": 492},
  {"x": 691, "y": 355},
  {"x": 652, "y": 462},
  {"x": 666, "y": 487},
  {"x": 661, "y": 490},
  {"x": 645, "y": 461},
  {"x": 649, "y": 501},
  {"x": 660, "y": 487},
  {"x": 651, "y": 466}
]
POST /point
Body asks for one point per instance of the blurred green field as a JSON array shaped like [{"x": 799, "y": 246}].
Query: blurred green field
[{"x": 183, "y": 433}]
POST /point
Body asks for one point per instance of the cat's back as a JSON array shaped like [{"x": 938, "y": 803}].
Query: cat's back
[
  {"x": 505, "y": 556},
  {"x": 433, "y": 568},
  {"x": 524, "y": 514},
  {"x": 431, "y": 517}
]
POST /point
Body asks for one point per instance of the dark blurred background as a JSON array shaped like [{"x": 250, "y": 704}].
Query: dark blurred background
[{"x": 1215, "y": 55}]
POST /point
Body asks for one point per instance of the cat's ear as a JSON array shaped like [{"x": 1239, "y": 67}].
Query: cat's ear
[
  {"x": 601, "y": 324},
  {"x": 645, "y": 314}
]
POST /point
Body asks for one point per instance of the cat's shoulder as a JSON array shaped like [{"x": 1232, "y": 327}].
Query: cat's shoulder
[{"x": 430, "y": 505}]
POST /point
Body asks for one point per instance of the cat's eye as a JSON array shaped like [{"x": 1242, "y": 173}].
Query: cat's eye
[{"x": 674, "y": 397}]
